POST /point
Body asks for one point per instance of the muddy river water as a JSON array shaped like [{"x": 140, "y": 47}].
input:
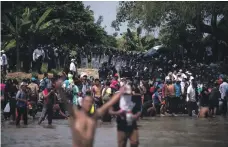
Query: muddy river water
[{"x": 181, "y": 131}]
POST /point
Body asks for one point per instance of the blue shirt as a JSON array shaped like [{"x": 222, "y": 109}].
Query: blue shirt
[
  {"x": 21, "y": 95},
  {"x": 156, "y": 98},
  {"x": 177, "y": 90},
  {"x": 160, "y": 85},
  {"x": 67, "y": 83}
]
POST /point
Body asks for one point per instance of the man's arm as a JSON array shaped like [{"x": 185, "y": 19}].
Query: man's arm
[
  {"x": 188, "y": 93},
  {"x": 137, "y": 115},
  {"x": 34, "y": 56},
  {"x": 112, "y": 112},
  {"x": 49, "y": 93},
  {"x": 100, "y": 111}
]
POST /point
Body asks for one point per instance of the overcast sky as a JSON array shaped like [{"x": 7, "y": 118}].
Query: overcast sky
[{"x": 108, "y": 10}]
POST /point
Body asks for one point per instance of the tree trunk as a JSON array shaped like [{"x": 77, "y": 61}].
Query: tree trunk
[
  {"x": 215, "y": 39},
  {"x": 17, "y": 48},
  {"x": 18, "y": 55}
]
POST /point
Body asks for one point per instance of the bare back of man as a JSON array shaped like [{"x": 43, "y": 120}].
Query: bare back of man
[{"x": 83, "y": 124}]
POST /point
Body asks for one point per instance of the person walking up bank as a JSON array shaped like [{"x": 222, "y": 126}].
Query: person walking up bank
[
  {"x": 223, "y": 88},
  {"x": 191, "y": 98},
  {"x": 21, "y": 99},
  {"x": 73, "y": 67},
  {"x": 3, "y": 62}
]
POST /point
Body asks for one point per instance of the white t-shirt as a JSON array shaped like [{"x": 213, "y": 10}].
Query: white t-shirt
[
  {"x": 209, "y": 51},
  {"x": 182, "y": 87},
  {"x": 167, "y": 78},
  {"x": 174, "y": 77},
  {"x": 4, "y": 59},
  {"x": 72, "y": 67},
  {"x": 125, "y": 103},
  {"x": 192, "y": 94},
  {"x": 183, "y": 76}
]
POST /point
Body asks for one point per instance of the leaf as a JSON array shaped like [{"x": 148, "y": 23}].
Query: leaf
[
  {"x": 43, "y": 17},
  {"x": 9, "y": 24},
  {"x": 9, "y": 45},
  {"x": 48, "y": 24}
]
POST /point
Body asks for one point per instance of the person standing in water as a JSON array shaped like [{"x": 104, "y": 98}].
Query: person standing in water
[
  {"x": 83, "y": 123},
  {"x": 96, "y": 89}
]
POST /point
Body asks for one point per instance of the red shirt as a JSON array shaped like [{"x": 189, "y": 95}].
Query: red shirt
[{"x": 114, "y": 84}]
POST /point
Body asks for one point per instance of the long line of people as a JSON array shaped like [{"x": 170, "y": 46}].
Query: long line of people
[{"x": 178, "y": 92}]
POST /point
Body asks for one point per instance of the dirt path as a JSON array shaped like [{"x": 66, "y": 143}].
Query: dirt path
[{"x": 23, "y": 75}]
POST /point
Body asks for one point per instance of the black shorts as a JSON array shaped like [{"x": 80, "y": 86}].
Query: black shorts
[{"x": 213, "y": 104}]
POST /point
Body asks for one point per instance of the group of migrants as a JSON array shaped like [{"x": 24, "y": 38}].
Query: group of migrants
[{"x": 130, "y": 86}]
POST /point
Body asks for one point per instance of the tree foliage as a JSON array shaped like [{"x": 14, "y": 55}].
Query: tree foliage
[
  {"x": 181, "y": 23},
  {"x": 67, "y": 23}
]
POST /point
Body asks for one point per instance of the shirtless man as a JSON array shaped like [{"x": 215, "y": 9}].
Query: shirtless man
[
  {"x": 96, "y": 89},
  {"x": 83, "y": 124}
]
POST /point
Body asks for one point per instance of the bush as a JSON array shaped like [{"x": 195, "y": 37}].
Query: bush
[{"x": 44, "y": 67}]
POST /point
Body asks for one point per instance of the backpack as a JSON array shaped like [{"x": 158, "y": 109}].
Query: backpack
[
  {"x": 106, "y": 96},
  {"x": 45, "y": 83},
  {"x": 33, "y": 91}
]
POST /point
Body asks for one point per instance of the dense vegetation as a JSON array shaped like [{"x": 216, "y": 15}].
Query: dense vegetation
[
  {"x": 71, "y": 27},
  {"x": 68, "y": 25},
  {"x": 191, "y": 25}
]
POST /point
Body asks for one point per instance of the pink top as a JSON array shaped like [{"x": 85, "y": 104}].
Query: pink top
[{"x": 3, "y": 87}]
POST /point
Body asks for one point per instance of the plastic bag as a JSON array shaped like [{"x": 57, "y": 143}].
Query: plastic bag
[{"x": 7, "y": 108}]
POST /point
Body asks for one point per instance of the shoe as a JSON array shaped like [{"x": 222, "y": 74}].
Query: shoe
[{"x": 162, "y": 115}]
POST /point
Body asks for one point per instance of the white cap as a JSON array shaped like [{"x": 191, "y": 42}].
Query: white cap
[
  {"x": 191, "y": 78},
  {"x": 23, "y": 84}
]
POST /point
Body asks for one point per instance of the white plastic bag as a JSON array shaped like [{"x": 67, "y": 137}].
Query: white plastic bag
[{"x": 7, "y": 108}]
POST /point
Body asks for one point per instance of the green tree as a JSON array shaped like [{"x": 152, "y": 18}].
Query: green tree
[
  {"x": 24, "y": 25},
  {"x": 175, "y": 18},
  {"x": 70, "y": 24}
]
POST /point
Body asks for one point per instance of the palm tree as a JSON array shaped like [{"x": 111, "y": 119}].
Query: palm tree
[{"x": 24, "y": 25}]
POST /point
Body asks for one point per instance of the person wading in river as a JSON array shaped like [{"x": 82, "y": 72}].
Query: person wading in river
[
  {"x": 83, "y": 124},
  {"x": 96, "y": 89},
  {"x": 126, "y": 121}
]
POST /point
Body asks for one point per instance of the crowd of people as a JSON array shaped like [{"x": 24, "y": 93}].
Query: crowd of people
[{"x": 129, "y": 88}]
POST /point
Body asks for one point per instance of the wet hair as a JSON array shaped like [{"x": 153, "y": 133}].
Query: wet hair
[
  {"x": 97, "y": 80},
  {"x": 76, "y": 81},
  {"x": 45, "y": 74}
]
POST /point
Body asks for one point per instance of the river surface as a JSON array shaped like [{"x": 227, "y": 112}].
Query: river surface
[{"x": 181, "y": 131}]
